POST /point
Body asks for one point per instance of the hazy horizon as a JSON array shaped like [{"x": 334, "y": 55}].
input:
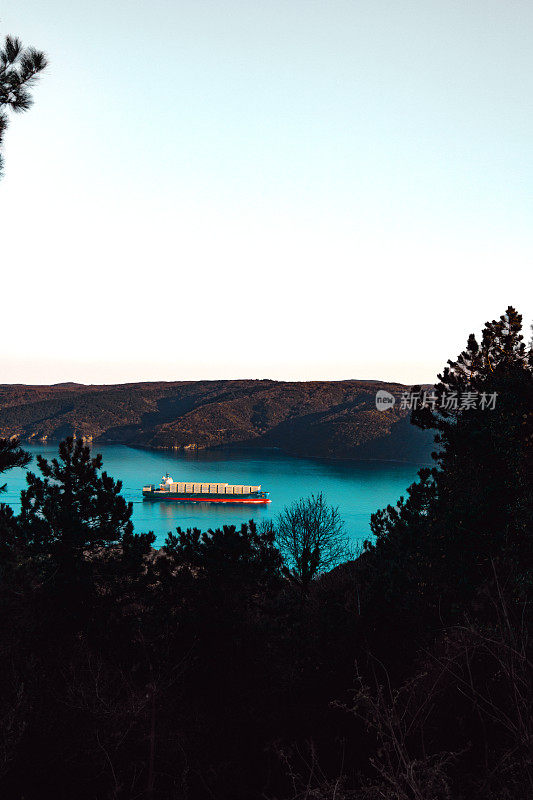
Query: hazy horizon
[{"x": 302, "y": 191}]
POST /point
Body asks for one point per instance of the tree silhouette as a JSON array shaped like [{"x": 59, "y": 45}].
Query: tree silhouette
[
  {"x": 12, "y": 455},
  {"x": 19, "y": 69},
  {"x": 236, "y": 558},
  {"x": 476, "y": 503},
  {"x": 73, "y": 512},
  {"x": 312, "y": 539}
]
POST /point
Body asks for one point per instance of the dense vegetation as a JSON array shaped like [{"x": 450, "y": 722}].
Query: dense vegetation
[
  {"x": 213, "y": 669},
  {"x": 333, "y": 419}
]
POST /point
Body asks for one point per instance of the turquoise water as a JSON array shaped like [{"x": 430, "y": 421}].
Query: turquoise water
[{"x": 358, "y": 488}]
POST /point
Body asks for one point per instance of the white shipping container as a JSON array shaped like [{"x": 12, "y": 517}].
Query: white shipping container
[{"x": 183, "y": 487}]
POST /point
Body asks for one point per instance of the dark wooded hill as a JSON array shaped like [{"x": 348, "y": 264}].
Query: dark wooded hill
[{"x": 329, "y": 419}]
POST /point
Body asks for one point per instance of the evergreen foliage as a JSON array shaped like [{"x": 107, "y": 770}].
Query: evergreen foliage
[
  {"x": 436, "y": 547},
  {"x": 233, "y": 554},
  {"x": 73, "y": 510},
  {"x": 19, "y": 68}
]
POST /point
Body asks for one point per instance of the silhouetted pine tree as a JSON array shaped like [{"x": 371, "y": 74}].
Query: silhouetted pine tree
[
  {"x": 74, "y": 521},
  {"x": 475, "y": 505},
  {"x": 11, "y": 455},
  {"x": 19, "y": 69},
  {"x": 227, "y": 554}
]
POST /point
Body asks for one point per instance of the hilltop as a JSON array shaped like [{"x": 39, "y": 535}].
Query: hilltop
[{"x": 330, "y": 419}]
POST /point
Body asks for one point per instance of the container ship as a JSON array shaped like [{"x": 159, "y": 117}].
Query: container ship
[{"x": 204, "y": 492}]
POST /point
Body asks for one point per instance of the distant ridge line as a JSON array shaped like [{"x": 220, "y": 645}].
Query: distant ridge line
[{"x": 320, "y": 419}]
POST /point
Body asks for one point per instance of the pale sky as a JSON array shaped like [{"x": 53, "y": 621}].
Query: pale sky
[{"x": 286, "y": 189}]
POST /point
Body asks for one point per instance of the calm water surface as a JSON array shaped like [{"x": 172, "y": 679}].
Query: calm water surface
[{"x": 358, "y": 488}]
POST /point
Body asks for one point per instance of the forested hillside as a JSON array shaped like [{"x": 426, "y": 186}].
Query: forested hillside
[{"x": 331, "y": 419}]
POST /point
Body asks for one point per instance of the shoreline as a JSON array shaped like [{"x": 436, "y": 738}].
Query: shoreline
[{"x": 235, "y": 449}]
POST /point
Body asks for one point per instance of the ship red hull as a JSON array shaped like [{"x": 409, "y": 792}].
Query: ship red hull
[
  {"x": 178, "y": 499},
  {"x": 217, "y": 500}
]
